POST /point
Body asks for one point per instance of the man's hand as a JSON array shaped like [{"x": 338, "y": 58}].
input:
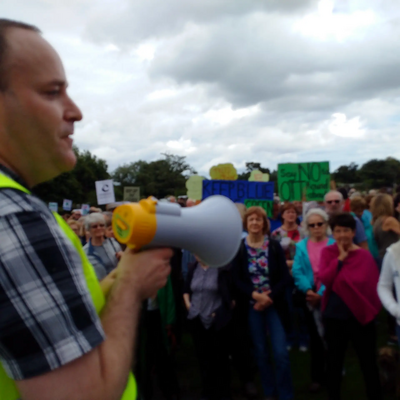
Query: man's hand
[
  {"x": 119, "y": 255},
  {"x": 147, "y": 270},
  {"x": 313, "y": 298},
  {"x": 107, "y": 282}
]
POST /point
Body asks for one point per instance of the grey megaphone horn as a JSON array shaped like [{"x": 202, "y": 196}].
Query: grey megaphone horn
[{"x": 211, "y": 230}]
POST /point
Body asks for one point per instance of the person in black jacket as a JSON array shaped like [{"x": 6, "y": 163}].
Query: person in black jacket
[
  {"x": 262, "y": 277},
  {"x": 208, "y": 299}
]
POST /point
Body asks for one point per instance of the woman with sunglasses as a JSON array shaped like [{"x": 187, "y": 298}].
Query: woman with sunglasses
[
  {"x": 102, "y": 253},
  {"x": 305, "y": 273}
]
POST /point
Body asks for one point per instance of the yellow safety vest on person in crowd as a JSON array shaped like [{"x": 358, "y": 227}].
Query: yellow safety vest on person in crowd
[{"x": 8, "y": 388}]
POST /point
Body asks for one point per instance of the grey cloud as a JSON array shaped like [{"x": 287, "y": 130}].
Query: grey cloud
[
  {"x": 259, "y": 59},
  {"x": 214, "y": 55},
  {"x": 137, "y": 20}
]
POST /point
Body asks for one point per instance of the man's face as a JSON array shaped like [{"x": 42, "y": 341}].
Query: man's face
[
  {"x": 36, "y": 115},
  {"x": 333, "y": 203}
]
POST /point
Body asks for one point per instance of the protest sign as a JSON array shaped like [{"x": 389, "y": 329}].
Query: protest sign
[
  {"x": 257, "y": 176},
  {"x": 267, "y": 205},
  {"x": 303, "y": 181},
  {"x": 225, "y": 172},
  {"x": 105, "y": 192},
  {"x": 194, "y": 186},
  {"x": 239, "y": 191},
  {"x": 67, "y": 205},
  {"x": 132, "y": 193},
  {"x": 85, "y": 209},
  {"x": 53, "y": 207}
]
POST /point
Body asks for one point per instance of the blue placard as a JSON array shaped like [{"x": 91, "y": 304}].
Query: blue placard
[{"x": 239, "y": 191}]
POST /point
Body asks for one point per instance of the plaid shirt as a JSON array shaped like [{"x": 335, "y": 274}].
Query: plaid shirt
[{"x": 47, "y": 317}]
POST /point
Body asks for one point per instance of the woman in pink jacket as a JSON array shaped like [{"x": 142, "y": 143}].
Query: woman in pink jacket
[{"x": 349, "y": 306}]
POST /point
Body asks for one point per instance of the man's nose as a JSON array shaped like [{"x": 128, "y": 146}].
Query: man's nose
[{"x": 72, "y": 112}]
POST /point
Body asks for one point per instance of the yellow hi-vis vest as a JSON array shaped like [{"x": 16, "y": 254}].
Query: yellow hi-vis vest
[{"x": 8, "y": 389}]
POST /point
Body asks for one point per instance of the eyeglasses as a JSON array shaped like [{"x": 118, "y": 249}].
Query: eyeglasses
[
  {"x": 319, "y": 224},
  {"x": 333, "y": 201},
  {"x": 97, "y": 225}
]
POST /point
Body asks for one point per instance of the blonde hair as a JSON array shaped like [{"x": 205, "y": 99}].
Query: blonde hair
[
  {"x": 381, "y": 206},
  {"x": 260, "y": 212},
  {"x": 72, "y": 222},
  {"x": 357, "y": 203}
]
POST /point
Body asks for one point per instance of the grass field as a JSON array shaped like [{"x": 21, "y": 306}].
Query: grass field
[{"x": 352, "y": 388}]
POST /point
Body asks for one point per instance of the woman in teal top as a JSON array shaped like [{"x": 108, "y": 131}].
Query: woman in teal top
[{"x": 305, "y": 275}]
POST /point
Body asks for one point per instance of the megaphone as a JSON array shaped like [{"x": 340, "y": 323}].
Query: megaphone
[{"x": 212, "y": 230}]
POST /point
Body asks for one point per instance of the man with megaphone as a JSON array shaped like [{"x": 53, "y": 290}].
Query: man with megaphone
[{"x": 59, "y": 337}]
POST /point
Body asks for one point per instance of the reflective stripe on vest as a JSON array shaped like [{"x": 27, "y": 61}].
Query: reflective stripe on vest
[{"x": 8, "y": 389}]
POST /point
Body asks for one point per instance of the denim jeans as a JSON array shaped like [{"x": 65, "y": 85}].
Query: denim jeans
[{"x": 278, "y": 380}]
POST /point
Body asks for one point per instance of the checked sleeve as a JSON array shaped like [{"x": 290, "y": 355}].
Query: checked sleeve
[{"x": 47, "y": 317}]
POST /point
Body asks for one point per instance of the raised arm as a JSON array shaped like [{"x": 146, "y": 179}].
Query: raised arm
[{"x": 102, "y": 373}]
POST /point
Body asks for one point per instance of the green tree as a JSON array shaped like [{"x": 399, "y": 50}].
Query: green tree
[
  {"x": 77, "y": 185},
  {"x": 347, "y": 174},
  {"x": 380, "y": 173},
  {"x": 158, "y": 178}
]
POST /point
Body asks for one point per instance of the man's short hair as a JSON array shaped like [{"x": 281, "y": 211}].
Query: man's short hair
[
  {"x": 335, "y": 192},
  {"x": 5, "y": 25}
]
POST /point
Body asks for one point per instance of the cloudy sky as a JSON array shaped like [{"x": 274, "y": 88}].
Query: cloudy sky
[{"x": 269, "y": 81}]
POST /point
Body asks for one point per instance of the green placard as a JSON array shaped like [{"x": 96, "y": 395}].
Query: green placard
[
  {"x": 309, "y": 180},
  {"x": 267, "y": 205}
]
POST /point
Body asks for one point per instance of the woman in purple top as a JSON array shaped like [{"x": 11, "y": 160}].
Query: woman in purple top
[
  {"x": 350, "y": 304},
  {"x": 262, "y": 277}
]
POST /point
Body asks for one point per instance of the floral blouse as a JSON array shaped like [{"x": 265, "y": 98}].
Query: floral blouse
[
  {"x": 258, "y": 266},
  {"x": 288, "y": 240}
]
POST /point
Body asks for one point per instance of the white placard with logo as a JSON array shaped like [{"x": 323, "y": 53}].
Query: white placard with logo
[
  {"x": 53, "y": 207},
  {"x": 132, "y": 193},
  {"x": 85, "y": 209},
  {"x": 105, "y": 192},
  {"x": 67, "y": 205}
]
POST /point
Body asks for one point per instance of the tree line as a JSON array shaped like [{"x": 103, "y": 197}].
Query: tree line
[{"x": 168, "y": 175}]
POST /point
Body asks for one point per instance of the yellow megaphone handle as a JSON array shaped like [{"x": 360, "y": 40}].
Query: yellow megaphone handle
[{"x": 135, "y": 224}]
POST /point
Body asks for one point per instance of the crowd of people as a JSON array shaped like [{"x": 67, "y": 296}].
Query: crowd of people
[
  {"x": 72, "y": 302},
  {"x": 311, "y": 284}
]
